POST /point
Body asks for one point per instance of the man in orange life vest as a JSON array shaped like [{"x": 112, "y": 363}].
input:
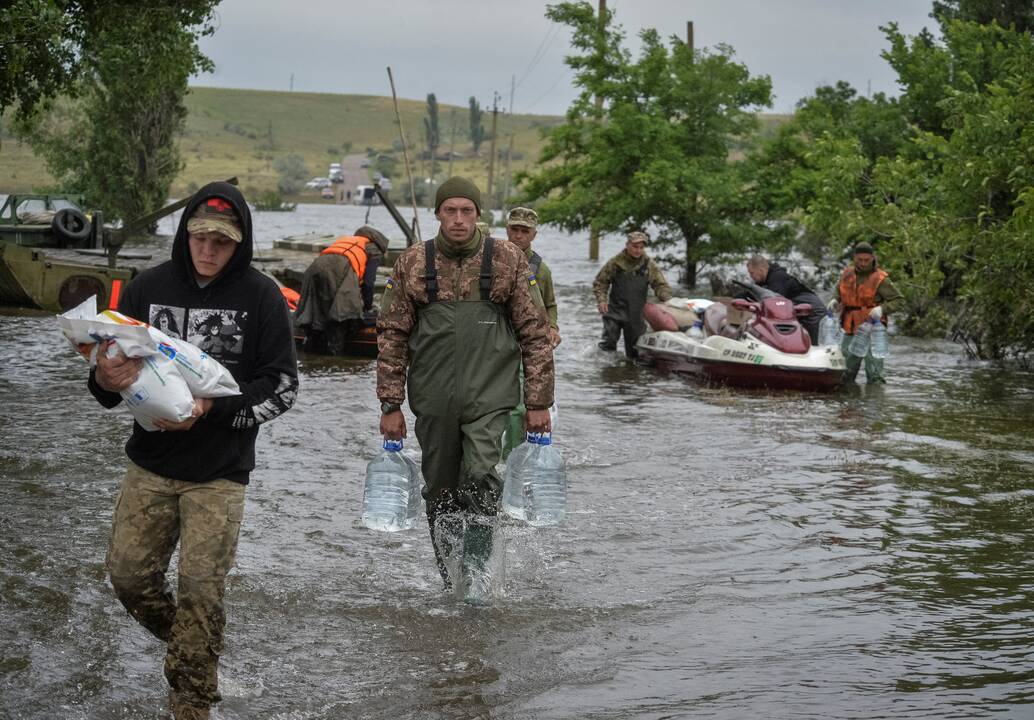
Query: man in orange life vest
[
  {"x": 864, "y": 293},
  {"x": 337, "y": 290}
]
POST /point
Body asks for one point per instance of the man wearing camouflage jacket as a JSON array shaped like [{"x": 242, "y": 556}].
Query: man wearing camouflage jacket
[
  {"x": 459, "y": 315},
  {"x": 620, "y": 288}
]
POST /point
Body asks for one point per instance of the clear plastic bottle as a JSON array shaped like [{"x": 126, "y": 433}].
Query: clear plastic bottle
[
  {"x": 878, "y": 345},
  {"x": 386, "y": 493},
  {"x": 535, "y": 485},
  {"x": 417, "y": 508},
  {"x": 829, "y": 330},
  {"x": 859, "y": 346},
  {"x": 696, "y": 330},
  {"x": 513, "y": 491}
]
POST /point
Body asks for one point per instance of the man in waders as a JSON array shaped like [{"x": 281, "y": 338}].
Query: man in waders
[
  {"x": 460, "y": 315},
  {"x": 864, "y": 293},
  {"x": 620, "y": 288},
  {"x": 521, "y": 229}
]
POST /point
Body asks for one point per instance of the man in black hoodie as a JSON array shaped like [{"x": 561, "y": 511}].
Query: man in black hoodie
[
  {"x": 185, "y": 484},
  {"x": 774, "y": 277}
]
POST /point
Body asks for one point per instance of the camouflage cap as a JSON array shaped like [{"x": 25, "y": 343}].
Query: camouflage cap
[
  {"x": 638, "y": 236},
  {"x": 215, "y": 215},
  {"x": 523, "y": 216}
]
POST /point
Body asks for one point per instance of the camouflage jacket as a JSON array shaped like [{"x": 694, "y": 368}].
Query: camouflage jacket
[
  {"x": 623, "y": 262},
  {"x": 458, "y": 280}
]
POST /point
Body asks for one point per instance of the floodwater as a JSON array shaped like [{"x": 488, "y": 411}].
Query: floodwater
[{"x": 727, "y": 555}]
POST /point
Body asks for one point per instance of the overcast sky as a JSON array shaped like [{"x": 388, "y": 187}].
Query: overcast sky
[{"x": 460, "y": 48}]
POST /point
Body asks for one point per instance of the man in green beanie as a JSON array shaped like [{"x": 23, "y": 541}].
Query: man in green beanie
[
  {"x": 864, "y": 294},
  {"x": 458, "y": 318}
]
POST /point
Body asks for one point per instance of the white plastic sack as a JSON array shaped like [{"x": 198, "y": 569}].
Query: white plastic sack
[
  {"x": 697, "y": 305},
  {"x": 173, "y": 372}
]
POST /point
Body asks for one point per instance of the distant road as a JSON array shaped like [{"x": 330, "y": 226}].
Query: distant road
[{"x": 354, "y": 175}]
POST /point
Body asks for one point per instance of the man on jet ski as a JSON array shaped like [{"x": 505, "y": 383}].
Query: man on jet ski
[{"x": 774, "y": 277}]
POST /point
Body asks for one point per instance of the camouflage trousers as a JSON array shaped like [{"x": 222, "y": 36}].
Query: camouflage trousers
[{"x": 152, "y": 515}]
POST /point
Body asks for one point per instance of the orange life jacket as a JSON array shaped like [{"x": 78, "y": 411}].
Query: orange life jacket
[
  {"x": 858, "y": 297},
  {"x": 352, "y": 247},
  {"x": 291, "y": 296}
]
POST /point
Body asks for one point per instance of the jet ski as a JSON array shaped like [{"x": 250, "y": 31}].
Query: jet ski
[{"x": 740, "y": 342}]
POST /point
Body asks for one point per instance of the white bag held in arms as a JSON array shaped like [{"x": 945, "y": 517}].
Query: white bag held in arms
[{"x": 173, "y": 373}]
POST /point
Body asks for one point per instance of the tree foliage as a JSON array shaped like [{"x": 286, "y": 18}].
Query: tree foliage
[
  {"x": 116, "y": 141},
  {"x": 477, "y": 129},
  {"x": 40, "y": 44},
  {"x": 939, "y": 180},
  {"x": 432, "y": 135},
  {"x": 1015, "y": 14},
  {"x": 292, "y": 172},
  {"x": 657, "y": 152}
]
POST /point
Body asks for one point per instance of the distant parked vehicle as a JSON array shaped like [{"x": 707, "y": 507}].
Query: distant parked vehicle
[
  {"x": 327, "y": 193},
  {"x": 320, "y": 182},
  {"x": 364, "y": 163}
]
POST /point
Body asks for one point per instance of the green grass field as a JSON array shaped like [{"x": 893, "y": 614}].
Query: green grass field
[{"x": 243, "y": 132}]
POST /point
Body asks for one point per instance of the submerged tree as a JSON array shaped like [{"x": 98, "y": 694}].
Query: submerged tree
[
  {"x": 116, "y": 142},
  {"x": 657, "y": 153}
]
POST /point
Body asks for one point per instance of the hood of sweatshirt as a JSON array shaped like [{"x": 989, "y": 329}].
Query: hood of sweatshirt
[{"x": 241, "y": 259}]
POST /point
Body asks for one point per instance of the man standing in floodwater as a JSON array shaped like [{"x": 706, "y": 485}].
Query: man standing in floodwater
[
  {"x": 460, "y": 315},
  {"x": 185, "y": 484},
  {"x": 521, "y": 229},
  {"x": 864, "y": 293},
  {"x": 620, "y": 288}
]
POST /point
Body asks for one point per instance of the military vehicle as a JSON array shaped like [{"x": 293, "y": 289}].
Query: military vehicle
[{"x": 53, "y": 255}]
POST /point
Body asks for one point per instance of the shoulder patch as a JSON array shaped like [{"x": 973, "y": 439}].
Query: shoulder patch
[
  {"x": 532, "y": 281},
  {"x": 390, "y": 284}
]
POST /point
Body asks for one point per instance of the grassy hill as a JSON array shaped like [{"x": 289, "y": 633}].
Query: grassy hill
[{"x": 243, "y": 132}]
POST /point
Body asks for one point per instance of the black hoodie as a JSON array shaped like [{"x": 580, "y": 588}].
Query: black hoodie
[{"x": 239, "y": 318}]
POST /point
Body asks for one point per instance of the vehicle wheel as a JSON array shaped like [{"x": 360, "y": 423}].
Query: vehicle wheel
[{"x": 70, "y": 225}]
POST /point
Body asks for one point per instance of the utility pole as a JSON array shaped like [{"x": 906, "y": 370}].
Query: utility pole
[
  {"x": 689, "y": 35},
  {"x": 491, "y": 157},
  {"x": 594, "y": 233},
  {"x": 291, "y": 87},
  {"x": 509, "y": 153}
]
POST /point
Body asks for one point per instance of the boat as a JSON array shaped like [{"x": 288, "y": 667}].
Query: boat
[
  {"x": 40, "y": 234},
  {"x": 740, "y": 343},
  {"x": 360, "y": 339}
]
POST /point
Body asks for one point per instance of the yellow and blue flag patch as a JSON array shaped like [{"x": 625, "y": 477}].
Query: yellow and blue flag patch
[{"x": 532, "y": 281}]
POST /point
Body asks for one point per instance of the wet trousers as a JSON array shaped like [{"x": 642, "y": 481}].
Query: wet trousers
[
  {"x": 152, "y": 515},
  {"x": 458, "y": 464},
  {"x": 612, "y": 329},
  {"x": 852, "y": 363}
]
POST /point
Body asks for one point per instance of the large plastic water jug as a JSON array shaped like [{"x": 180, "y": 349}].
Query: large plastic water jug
[
  {"x": 878, "y": 344},
  {"x": 416, "y": 513},
  {"x": 830, "y": 332},
  {"x": 859, "y": 346},
  {"x": 535, "y": 482},
  {"x": 387, "y": 491}
]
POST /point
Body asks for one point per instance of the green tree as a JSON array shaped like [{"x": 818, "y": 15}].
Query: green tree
[
  {"x": 292, "y": 173},
  {"x": 1015, "y": 14},
  {"x": 117, "y": 142},
  {"x": 431, "y": 133},
  {"x": 658, "y": 151},
  {"x": 477, "y": 130},
  {"x": 40, "y": 43}
]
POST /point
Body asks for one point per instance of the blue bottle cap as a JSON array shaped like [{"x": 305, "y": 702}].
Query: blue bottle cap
[
  {"x": 392, "y": 445},
  {"x": 534, "y": 437}
]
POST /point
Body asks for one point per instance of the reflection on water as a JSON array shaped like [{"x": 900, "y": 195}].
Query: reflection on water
[{"x": 727, "y": 555}]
